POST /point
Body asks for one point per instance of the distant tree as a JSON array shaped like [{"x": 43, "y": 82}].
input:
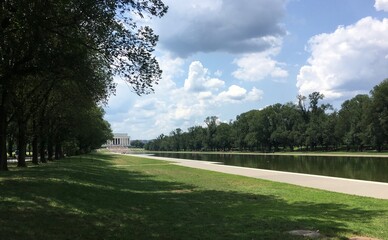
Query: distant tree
[
  {"x": 317, "y": 118},
  {"x": 361, "y": 121},
  {"x": 302, "y": 107},
  {"x": 176, "y": 139},
  {"x": 378, "y": 115},
  {"x": 224, "y": 137},
  {"x": 329, "y": 132},
  {"x": 137, "y": 144},
  {"x": 266, "y": 125},
  {"x": 241, "y": 128},
  {"x": 196, "y": 137},
  {"x": 211, "y": 123},
  {"x": 351, "y": 121}
]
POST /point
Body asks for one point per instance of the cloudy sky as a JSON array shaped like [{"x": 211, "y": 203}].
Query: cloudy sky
[{"x": 225, "y": 57}]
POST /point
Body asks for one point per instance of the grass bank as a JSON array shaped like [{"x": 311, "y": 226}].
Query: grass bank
[{"x": 106, "y": 196}]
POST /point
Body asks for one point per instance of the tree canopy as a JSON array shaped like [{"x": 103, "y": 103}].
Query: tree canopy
[{"x": 57, "y": 62}]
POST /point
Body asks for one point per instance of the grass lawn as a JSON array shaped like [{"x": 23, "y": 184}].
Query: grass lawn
[{"x": 106, "y": 196}]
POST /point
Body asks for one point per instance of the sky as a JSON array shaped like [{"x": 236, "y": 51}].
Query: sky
[{"x": 226, "y": 57}]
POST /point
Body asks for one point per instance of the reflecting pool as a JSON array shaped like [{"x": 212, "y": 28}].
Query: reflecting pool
[{"x": 363, "y": 168}]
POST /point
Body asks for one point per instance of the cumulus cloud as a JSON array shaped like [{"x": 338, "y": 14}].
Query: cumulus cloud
[
  {"x": 177, "y": 107},
  {"x": 220, "y": 25},
  {"x": 238, "y": 94},
  {"x": 214, "y": 83},
  {"x": 234, "y": 93},
  {"x": 381, "y": 5},
  {"x": 205, "y": 95},
  {"x": 254, "y": 95},
  {"x": 349, "y": 61},
  {"x": 172, "y": 66},
  {"x": 201, "y": 86},
  {"x": 199, "y": 80},
  {"x": 257, "y": 66}
]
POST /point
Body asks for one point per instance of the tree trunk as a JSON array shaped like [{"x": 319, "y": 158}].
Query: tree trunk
[
  {"x": 42, "y": 151},
  {"x": 10, "y": 146},
  {"x": 3, "y": 137},
  {"x": 57, "y": 151},
  {"x": 22, "y": 144},
  {"x": 61, "y": 153},
  {"x": 35, "y": 149},
  {"x": 50, "y": 150}
]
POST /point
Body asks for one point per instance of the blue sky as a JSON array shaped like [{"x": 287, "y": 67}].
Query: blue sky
[{"x": 225, "y": 57}]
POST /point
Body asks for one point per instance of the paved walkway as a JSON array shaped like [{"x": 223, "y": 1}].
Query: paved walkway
[{"x": 342, "y": 185}]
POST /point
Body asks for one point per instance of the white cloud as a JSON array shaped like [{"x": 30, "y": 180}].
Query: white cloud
[
  {"x": 174, "y": 107},
  {"x": 381, "y": 5},
  {"x": 257, "y": 66},
  {"x": 218, "y": 73},
  {"x": 349, "y": 61},
  {"x": 205, "y": 95},
  {"x": 234, "y": 93},
  {"x": 172, "y": 68},
  {"x": 255, "y": 95},
  {"x": 238, "y": 94},
  {"x": 214, "y": 83},
  {"x": 196, "y": 77},
  {"x": 199, "y": 80},
  {"x": 231, "y": 26}
]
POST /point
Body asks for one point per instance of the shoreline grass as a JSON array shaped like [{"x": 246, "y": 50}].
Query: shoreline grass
[{"x": 111, "y": 196}]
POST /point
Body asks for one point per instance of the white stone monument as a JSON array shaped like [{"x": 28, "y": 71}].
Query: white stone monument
[{"x": 119, "y": 140}]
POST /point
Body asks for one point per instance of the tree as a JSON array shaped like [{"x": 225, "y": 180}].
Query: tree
[
  {"x": 351, "y": 122},
  {"x": 223, "y": 137},
  {"x": 241, "y": 127},
  {"x": 378, "y": 115},
  {"x": 329, "y": 133},
  {"x": 37, "y": 36},
  {"x": 317, "y": 118},
  {"x": 176, "y": 139},
  {"x": 196, "y": 138},
  {"x": 137, "y": 144},
  {"x": 267, "y": 121},
  {"x": 211, "y": 123}
]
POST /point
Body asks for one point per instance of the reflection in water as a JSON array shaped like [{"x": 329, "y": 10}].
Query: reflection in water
[{"x": 364, "y": 168}]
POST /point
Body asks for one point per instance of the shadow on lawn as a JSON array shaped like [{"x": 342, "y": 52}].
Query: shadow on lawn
[{"x": 80, "y": 200}]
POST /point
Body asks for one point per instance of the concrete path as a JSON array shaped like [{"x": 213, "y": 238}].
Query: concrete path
[{"x": 342, "y": 185}]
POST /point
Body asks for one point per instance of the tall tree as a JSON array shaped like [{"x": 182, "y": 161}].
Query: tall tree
[
  {"x": 196, "y": 138},
  {"x": 211, "y": 123},
  {"x": 223, "y": 137},
  {"x": 352, "y": 124},
  {"x": 378, "y": 115}
]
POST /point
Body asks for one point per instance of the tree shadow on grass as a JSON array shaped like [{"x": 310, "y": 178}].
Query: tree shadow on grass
[{"x": 80, "y": 200}]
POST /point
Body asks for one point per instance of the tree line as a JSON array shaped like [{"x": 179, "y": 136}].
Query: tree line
[
  {"x": 57, "y": 62},
  {"x": 308, "y": 125}
]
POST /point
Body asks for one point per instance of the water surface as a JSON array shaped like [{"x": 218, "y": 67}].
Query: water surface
[{"x": 363, "y": 168}]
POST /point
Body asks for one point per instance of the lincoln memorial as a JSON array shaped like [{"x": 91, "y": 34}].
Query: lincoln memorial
[{"x": 119, "y": 140}]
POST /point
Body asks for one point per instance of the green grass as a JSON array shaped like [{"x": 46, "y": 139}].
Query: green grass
[{"x": 105, "y": 196}]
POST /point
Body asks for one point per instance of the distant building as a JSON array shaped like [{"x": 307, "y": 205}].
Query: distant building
[{"x": 119, "y": 140}]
